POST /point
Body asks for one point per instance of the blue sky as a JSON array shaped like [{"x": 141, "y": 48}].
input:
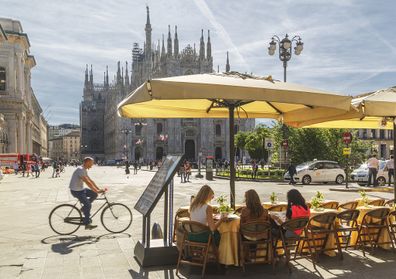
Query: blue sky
[{"x": 349, "y": 45}]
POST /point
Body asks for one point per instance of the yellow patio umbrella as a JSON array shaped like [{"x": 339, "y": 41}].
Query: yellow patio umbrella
[
  {"x": 228, "y": 96},
  {"x": 374, "y": 110}
]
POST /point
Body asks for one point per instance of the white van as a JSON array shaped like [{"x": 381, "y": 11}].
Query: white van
[
  {"x": 318, "y": 171},
  {"x": 360, "y": 175}
]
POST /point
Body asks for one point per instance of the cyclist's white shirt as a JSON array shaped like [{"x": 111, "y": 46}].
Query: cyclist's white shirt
[{"x": 76, "y": 182}]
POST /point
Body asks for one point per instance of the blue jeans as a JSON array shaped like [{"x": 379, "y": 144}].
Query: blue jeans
[{"x": 86, "y": 197}]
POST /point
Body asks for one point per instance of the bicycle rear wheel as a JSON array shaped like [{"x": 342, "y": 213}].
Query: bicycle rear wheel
[
  {"x": 65, "y": 219},
  {"x": 116, "y": 217}
]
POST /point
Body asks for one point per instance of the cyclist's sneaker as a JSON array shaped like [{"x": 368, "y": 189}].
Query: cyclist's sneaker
[{"x": 90, "y": 226}]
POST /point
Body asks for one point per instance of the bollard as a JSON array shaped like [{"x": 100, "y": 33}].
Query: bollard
[{"x": 156, "y": 231}]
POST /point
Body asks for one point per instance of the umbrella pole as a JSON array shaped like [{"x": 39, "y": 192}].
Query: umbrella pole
[
  {"x": 231, "y": 109},
  {"x": 394, "y": 157}
]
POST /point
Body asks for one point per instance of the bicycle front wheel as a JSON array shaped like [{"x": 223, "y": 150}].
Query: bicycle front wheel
[
  {"x": 65, "y": 219},
  {"x": 116, "y": 217}
]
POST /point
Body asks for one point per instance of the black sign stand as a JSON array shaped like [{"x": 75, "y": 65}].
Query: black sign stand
[{"x": 158, "y": 252}]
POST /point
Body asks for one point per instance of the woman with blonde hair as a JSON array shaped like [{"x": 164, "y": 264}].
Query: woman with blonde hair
[
  {"x": 253, "y": 211},
  {"x": 201, "y": 211}
]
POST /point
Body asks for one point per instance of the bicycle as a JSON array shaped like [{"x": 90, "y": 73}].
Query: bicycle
[{"x": 66, "y": 219}]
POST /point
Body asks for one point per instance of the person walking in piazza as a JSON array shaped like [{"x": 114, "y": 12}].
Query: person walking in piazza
[
  {"x": 187, "y": 171},
  {"x": 16, "y": 168},
  {"x": 85, "y": 195},
  {"x": 292, "y": 172},
  {"x": 135, "y": 167},
  {"x": 54, "y": 167},
  {"x": 373, "y": 165},
  {"x": 390, "y": 166}
]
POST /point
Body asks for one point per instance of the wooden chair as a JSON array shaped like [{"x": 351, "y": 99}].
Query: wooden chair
[
  {"x": 392, "y": 225},
  {"x": 193, "y": 252},
  {"x": 330, "y": 205},
  {"x": 373, "y": 223},
  {"x": 291, "y": 243},
  {"x": 319, "y": 228},
  {"x": 390, "y": 203},
  {"x": 348, "y": 224},
  {"x": 254, "y": 239},
  {"x": 348, "y": 205},
  {"x": 378, "y": 202},
  {"x": 181, "y": 213},
  {"x": 278, "y": 207}
]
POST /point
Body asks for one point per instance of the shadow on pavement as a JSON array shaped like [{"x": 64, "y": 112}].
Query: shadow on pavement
[{"x": 65, "y": 244}]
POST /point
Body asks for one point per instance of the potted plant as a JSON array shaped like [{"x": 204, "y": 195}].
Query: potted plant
[
  {"x": 224, "y": 207},
  {"x": 317, "y": 200},
  {"x": 364, "y": 198},
  {"x": 273, "y": 198}
]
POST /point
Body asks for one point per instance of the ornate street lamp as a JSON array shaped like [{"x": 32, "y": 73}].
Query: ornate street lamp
[
  {"x": 285, "y": 53},
  {"x": 285, "y": 49}
]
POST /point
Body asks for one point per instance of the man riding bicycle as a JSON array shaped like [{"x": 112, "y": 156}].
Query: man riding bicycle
[{"x": 84, "y": 195}]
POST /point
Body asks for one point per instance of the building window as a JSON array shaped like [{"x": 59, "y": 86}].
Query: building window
[
  {"x": 2, "y": 79},
  {"x": 382, "y": 134},
  {"x": 373, "y": 133},
  {"x": 159, "y": 128},
  {"x": 218, "y": 130},
  {"x": 236, "y": 129},
  {"x": 138, "y": 130}
]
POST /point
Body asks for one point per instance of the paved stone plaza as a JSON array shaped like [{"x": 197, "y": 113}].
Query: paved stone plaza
[{"x": 29, "y": 249}]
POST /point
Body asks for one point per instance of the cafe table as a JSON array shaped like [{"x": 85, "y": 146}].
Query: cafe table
[
  {"x": 267, "y": 205},
  {"x": 384, "y": 236},
  {"x": 229, "y": 240}
]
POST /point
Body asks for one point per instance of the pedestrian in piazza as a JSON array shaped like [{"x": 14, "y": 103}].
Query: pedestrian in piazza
[
  {"x": 292, "y": 172},
  {"x": 187, "y": 170},
  {"x": 37, "y": 169},
  {"x": 127, "y": 167},
  {"x": 135, "y": 167},
  {"x": 390, "y": 167},
  {"x": 373, "y": 165},
  {"x": 16, "y": 167},
  {"x": 54, "y": 167},
  {"x": 182, "y": 173}
]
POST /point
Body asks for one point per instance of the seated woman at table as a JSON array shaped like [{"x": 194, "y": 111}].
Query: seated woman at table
[
  {"x": 296, "y": 208},
  {"x": 253, "y": 211},
  {"x": 201, "y": 211}
]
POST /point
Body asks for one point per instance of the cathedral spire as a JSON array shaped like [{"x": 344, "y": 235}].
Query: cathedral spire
[
  {"x": 169, "y": 46},
  {"x": 176, "y": 43},
  {"x": 208, "y": 48},
  {"x": 202, "y": 47},
  {"x": 227, "y": 64},
  {"x": 86, "y": 76},
  {"x": 91, "y": 77},
  {"x": 126, "y": 78},
  {"x": 107, "y": 76},
  {"x": 148, "y": 30},
  {"x": 119, "y": 78},
  {"x": 163, "y": 47}
]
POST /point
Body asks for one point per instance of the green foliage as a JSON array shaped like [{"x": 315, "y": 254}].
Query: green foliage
[
  {"x": 224, "y": 207},
  {"x": 254, "y": 142}
]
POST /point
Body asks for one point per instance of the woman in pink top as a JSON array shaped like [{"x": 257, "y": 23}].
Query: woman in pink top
[{"x": 296, "y": 208}]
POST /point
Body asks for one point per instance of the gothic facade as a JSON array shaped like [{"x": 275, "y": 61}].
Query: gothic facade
[{"x": 107, "y": 136}]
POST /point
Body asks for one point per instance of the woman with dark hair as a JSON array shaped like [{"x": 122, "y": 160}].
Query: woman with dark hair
[
  {"x": 253, "y": 211},
  {"x": 296, "y": 208}
]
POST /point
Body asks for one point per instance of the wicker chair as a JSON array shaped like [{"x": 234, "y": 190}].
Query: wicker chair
[
  {"x": 291, "y": 243},
  {"x": 373, "y": 223},
  {"x": 255, "y": 238},
  {"x": 348, "y": 205},
  {"x": 390, "y": 203},
  {"x": 392, "y": 225},
  {"x": 196, "y": 253},
  {"x": 378, "y": 202},
  {"x": 348, "y": 224},
  {"x": 278, "y": 207},
  {"x": 330, "y": 205},
  {"x": 319, "y": 228},
  {"x": 181, "y": 213}
]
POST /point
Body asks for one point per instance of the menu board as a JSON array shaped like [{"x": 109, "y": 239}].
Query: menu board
[{"x": 148, "y": 200}]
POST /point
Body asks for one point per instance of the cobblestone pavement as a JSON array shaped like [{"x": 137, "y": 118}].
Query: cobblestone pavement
[{"x": 29, "y": 249}]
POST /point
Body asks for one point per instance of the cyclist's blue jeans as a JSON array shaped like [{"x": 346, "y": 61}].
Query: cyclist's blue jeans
[{"x": 86, "y": 197}]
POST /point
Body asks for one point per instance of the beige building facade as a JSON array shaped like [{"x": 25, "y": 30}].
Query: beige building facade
[
  {"x": 24, "y": 125},
  {"x": 66, "y": 148},
  {"x": 382, "y": 141}
]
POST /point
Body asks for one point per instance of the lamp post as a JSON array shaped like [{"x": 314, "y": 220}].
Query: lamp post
[
  {"x": 285, "y": 49},
  {"x": 126, "y": 131},
  {"x": 285, "y": 46}
]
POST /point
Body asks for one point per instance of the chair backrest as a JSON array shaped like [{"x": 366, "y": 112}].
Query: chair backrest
[
  {"x": 349, "y": 205},
  {"x": 326, "y": 220},
  {"x": 379, "y": 202},
  {"x": 330, "y": 205},
  {"x": 278, "y": 207},
  {"x": 295, "y": 224},
  {"x": 390, "y": 202},
  {"x": 192, "y": 227},
  {"x": 393, "y": 214},
  {"x": 257, "y": 230},
  {"x": 348, "y": 215},
  {"x": 376, "y": 215},
  {"x": 182, "y": 213}
]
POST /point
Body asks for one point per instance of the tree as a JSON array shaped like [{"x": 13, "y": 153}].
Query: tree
[{"x": 255, "y": 142}]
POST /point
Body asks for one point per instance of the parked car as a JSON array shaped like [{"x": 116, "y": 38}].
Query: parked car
[
  {"x": 360, "y": 175},
  {"x": 318, "y": 171}
]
